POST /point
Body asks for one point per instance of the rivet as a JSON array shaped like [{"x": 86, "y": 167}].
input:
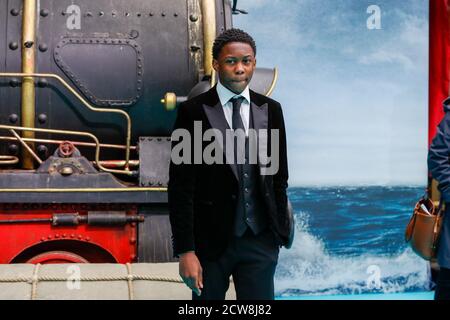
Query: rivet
[
  {"x": 43, "y": 239},
  {"x": 13, "y": 45},
  {"x": 163, "y": 14},
  {"x": 14, "y": 83},
  {"x": 42, "y": 83},
  {"x": 49, "y": 237},
  {"x": 42, "y": 149},
  {"x": 57, "y": 235},
  {"x": 13, "y": 118},
  {"x": 42, "y": 118},
  {"x": 175, "y": 14},
  {"x": 44, "y": 12},
  {"x": 64, "y": 235},
  {"x": 43, "y": 47},
  {"x": 101, "y": 13},
  {"x": 139, "y": 15},
  {"x": 193, "y": 18},
  {"x": 72, "y": 235},
  {"x": 15, "y": 12},
  {"x": 88, "y": 14},
  {"x": 127, "y": 14},
  {"x": 88, "y": 239},
  {"x": 80, "y": 237},
  {"x": 133, "y": 240},
  {"x": 151, "y": 14},
  {"x": 13, "y": 149}
]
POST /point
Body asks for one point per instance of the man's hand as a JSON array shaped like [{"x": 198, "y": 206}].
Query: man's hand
[{"x": 191, "y": 272}]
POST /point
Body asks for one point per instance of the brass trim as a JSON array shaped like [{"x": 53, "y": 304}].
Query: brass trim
[
  {"x": 28, "y": 101},
  {"x": 76, "y": 143},
  {"x": 274, "y": 81},
  {"x": 79, "y": 97},
  {"x": 8, "y": 159},
  {"x": 209, "y": 33},
  {"x": 27, "y": 147},
  {"x": 41, "y": 190},
  {"x": 77, "y": 133}
]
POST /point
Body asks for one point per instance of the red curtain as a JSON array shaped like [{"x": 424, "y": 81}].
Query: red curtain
[{"x": 439, "y": 77}]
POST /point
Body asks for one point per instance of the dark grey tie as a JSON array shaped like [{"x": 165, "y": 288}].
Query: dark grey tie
[{"x": 237, "y": 120}]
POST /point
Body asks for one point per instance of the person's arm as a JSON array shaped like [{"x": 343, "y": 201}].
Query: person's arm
[
  {"x": 280, "y": 179},
  {"x": 181, "y": 212},
  {"x": 438, "y": 157}
]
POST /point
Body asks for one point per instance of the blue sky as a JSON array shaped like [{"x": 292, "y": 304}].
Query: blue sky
[{"x": 354, "y": 99}]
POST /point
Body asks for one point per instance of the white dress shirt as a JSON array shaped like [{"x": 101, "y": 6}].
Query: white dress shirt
[{"x": 225, "y": 95}]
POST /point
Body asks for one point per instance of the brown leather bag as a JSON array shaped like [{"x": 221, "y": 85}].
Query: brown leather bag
[{"x": 422, "y": 232}]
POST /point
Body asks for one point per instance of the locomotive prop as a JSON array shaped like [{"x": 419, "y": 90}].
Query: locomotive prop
[{"x": 88, "y": 95}]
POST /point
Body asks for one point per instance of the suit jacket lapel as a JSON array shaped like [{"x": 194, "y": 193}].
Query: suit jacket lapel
[{"x": 216, "y": 117}]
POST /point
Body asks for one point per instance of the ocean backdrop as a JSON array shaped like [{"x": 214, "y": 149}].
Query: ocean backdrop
[{"x": 350, "y": 240}]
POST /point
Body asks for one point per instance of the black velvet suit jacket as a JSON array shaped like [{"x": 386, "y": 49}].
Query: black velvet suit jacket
[{"x": 202, "y": 197}]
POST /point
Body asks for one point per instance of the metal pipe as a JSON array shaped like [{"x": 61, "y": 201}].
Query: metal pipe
[
  {"x": 209, "y": 33},
  {"x": 79, "y": 133},
  {"x": 8, "y": 160},
  {"x": 274, "y": 82},
  {"x": 28, "y": 107},
  {"x": 83, "y": 101},
  {"x": 76, "y": 143},
  {"x": 27, "y": 147}
]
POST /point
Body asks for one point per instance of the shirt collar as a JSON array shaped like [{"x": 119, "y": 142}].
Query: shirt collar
[{"x": 225, "y": 94}]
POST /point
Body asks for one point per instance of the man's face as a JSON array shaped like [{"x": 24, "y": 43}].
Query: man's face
[{"x": 235, "y": 65}]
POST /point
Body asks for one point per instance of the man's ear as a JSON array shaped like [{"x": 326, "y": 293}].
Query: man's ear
[{"x": 215, "y": 64}]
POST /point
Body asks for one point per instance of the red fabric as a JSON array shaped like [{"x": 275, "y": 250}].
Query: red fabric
[{"x": 439, "y": 62}]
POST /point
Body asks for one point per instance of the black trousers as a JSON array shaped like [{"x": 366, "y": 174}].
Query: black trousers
[
  {"x": 251, "y": 260},
  {"x": 443, "y": 285}
]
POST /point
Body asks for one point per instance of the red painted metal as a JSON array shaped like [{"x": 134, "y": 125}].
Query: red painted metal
[
  {"x": 27, "y": 242},
  {"x": 57, "y": 257},
  {"x": 439, "y": 74}
]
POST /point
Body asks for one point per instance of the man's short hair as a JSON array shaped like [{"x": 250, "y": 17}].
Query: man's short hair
[{"x": 232, "y": 35}]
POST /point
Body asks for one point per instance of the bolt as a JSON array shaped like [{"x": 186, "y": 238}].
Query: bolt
[{"x": 28, "y": 44}]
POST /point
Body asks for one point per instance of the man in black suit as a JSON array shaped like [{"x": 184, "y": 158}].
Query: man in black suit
[{"x": 230, "y": 217}]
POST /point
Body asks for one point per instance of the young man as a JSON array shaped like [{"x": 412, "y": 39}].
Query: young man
[{"x": 229, "y": 219}]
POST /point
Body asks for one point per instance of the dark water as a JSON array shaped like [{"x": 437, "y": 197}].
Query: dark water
[{"x": 351, "y": 240}]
